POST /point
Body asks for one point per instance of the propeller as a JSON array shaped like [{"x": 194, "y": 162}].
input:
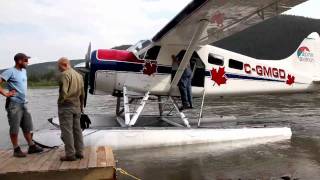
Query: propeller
[{"x": 86, "y": 75}]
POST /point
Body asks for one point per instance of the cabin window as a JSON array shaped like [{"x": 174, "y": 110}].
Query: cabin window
[
  {"x": 141, "y": 56},
  {"x": 198, "y": 70},
  {"x": 152, "y": 53},
  {"x": 235, "y": 64},
  {"x": 215, "y": 59}
]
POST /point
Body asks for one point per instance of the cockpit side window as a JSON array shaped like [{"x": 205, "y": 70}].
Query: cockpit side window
[
  {"x": 152, "y": 53},
  {"x": 216, "y": 59},
  {"x": 141, "y": 56},
  {"x": 235, "y": 64}
]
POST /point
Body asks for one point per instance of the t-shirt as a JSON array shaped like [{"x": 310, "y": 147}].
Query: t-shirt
[{"x": 16, "y": 80}]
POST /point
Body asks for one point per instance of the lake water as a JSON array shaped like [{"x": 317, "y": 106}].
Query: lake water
[{"x": 298, "y": 158}]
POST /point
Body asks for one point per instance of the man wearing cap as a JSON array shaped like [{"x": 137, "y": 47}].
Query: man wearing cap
[{"x": 18, "y": 115}]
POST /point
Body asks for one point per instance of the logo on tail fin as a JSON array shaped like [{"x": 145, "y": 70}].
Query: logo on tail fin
[{"x": 305, "y": 55}]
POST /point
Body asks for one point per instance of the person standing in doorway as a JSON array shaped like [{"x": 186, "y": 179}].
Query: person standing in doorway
[
  {"x": 70, "y": 106},
  {"x": 184, "y": 84},
  {"x": 16, "y": 104}
]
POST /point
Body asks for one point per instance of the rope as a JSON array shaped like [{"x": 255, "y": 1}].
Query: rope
[{"x": 120, "y": 170}]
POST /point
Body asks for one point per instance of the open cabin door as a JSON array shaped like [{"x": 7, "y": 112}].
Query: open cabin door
[{"x": 198, "y": 69}]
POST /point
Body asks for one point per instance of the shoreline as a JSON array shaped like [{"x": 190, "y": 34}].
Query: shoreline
[{"x": 43, "y": 87}]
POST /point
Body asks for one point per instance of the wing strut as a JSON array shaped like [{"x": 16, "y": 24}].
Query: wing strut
[{"x": 191, "y": 48}]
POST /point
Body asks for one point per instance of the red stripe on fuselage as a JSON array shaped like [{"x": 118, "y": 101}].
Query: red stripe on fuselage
[{"x": 117, "y": 55}]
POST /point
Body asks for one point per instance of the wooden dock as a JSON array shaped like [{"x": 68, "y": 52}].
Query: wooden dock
[{"x": 98, "y": 163}]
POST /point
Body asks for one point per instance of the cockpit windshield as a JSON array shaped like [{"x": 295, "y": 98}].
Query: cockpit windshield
[{"x": 139, "y": 47}]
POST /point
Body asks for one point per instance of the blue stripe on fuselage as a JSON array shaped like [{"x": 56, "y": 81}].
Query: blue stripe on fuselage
[{"x": 237, "y": 76}]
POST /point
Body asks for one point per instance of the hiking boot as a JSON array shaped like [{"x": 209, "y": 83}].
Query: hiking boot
[
  {"x": 34, "y": 149},
  {"x": 18, "y": 153},
  {"x": 79, "y": 156},
  {"x": 183, "y": 107},
  {"x": 68, "y": 158}
]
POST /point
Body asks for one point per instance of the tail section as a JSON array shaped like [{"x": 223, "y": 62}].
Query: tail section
[{"x": 306, "y": 59}]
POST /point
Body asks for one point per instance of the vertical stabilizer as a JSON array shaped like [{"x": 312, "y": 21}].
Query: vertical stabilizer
[{"x": 306, "y": 58}]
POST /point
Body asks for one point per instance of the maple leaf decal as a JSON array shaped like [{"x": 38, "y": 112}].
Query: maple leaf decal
[
  {"x": 218, "y": 76},
  {"x": 218, "y": 18},
  {"x": 150, "y": 68},
  {"x": 290, "y": 79}
]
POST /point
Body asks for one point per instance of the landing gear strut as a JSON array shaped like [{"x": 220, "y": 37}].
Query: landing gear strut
[{"x": 131, "y": 117}]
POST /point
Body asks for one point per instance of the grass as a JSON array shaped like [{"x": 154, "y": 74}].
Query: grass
[{"x": 40, "y": 84}]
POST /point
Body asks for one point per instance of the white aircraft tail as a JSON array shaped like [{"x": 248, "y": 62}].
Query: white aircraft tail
[{"x": 306, "y": 58}]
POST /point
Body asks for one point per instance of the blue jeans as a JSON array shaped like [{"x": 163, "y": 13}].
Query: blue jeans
[
  {"x": 18, "y": 116},
  {"x": 185, "y": 90}
]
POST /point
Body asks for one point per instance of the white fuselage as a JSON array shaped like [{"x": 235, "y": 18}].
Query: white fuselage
[{"x": 223, "y": 72}]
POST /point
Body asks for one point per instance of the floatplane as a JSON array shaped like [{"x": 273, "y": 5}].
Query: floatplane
[{"x": 141, "y": 76}]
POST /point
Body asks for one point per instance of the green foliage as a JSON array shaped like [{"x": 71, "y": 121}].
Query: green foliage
[
  {"x": 49, "y": 76},
  {"x": 42, "y": 84},
  {"x": 45, "y": 74},
  {"x": 46, "y": 79},
  {"x": 276, "y": 38}
]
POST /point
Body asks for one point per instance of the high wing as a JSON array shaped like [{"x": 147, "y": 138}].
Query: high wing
[
  {"x": 205, "y": 21},
  {"x": 226, "y": 17}
]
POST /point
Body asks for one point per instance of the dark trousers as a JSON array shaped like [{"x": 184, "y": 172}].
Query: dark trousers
[
  {"x": 71, "y": 133},
  {"x": 173, "y": 73},
  {"x": 185, "y": 91}
]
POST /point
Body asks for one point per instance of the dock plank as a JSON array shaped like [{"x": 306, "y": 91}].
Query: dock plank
[
  {"x": 110, "y": 157},
  {"x": 2, "y": 153},
  {"x": 74, "y": 165},
  {"x": 5, "y": 155},
  {"x": 98, "y": 162},
  {"x": 56, "y": 163},
  {"x": 33, "y": 160},
  {"x": 6, "y": 162},
  {"x": 51, "y": 157},
  {"x": 45, "y": 156},
  {"x": 12, "y": 164},
  {"x": 85, "y": 161},
  {"x": 101, "y": 157},
  {"x": 92, "y": 158},
  {"x": 69, "y": 165},
  {"x": 21, "y": 164}
]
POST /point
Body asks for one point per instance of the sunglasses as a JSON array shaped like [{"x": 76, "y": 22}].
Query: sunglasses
[{"x": 25, "y": 60}]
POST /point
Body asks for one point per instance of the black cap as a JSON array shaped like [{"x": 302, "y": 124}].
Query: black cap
[{"x": 20, "y": 56}]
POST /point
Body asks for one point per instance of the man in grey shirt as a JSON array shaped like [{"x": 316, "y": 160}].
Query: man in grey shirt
[{"x": 18, "y": 115}]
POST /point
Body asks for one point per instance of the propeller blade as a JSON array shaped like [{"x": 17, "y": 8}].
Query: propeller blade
[
  {"x": 86, "y": 86},
  {"x": 87, "y": 74},
  {"x": 81, "y": 67},
  {"x": 88, "y": 56}
]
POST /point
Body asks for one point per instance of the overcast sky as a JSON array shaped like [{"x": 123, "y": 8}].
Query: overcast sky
[{"x": 47, "y": 30}]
